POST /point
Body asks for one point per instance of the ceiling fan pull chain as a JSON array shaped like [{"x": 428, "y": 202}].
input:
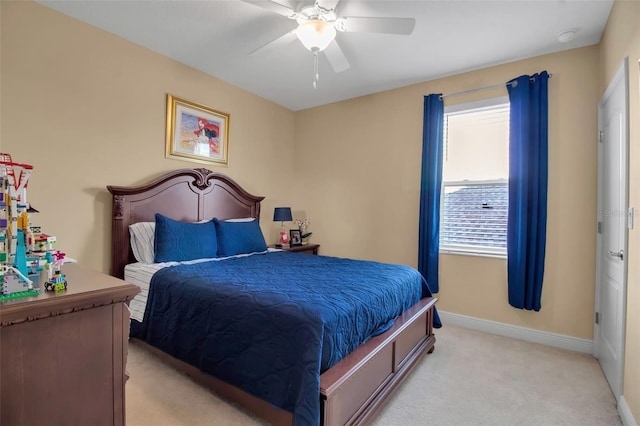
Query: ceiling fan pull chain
[{"x": 316, "y": 75}]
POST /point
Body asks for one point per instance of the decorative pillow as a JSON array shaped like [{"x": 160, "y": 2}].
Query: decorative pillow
[
  {"x": 141, "y": 236},
  {"x": 177, "y": 241},
  {"x": 239, "y": 237}
]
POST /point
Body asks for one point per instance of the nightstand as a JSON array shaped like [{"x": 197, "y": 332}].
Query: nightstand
[{"x": 305, "y": 248}]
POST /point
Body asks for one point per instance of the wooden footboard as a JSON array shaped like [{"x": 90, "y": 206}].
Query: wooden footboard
[{"x": 355, "y": 389}]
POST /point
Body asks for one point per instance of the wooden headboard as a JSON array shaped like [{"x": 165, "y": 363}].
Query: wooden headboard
[{"x": 186, "y": 195}]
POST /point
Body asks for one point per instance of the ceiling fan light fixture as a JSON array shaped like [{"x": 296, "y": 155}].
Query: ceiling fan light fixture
[{"x": 316, "y": 34}]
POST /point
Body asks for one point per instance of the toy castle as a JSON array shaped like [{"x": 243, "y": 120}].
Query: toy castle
[{"x": 24, "y": 250}]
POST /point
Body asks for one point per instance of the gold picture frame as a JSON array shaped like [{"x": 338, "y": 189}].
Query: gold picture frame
[{"x": 196, "y": 132}]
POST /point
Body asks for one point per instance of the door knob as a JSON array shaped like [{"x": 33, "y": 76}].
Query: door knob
[{"x": 619, "y": 254}]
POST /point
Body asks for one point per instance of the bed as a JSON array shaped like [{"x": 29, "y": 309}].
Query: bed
[{"x": 353, "y": 386}]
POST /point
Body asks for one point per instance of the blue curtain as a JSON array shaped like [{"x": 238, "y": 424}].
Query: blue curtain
[
  {"x": 528, "y": 170},
  {"x": 430, "y": 188}
]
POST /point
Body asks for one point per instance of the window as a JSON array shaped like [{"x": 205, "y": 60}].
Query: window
[{"x": 475, "y": 179}]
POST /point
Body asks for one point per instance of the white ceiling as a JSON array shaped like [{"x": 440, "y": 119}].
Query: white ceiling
[{"x": 450, "y": 37}]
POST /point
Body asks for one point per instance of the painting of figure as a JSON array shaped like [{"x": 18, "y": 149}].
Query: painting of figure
[{"x": 196, "y": 132}]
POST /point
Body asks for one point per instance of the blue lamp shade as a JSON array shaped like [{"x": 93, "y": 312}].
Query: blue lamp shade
[{"x": 282, "y": 214}]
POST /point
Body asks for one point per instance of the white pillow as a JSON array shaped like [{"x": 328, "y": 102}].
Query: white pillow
[
  {"x": 242, "y": 219},
  {"x": 142, "y": 236}
]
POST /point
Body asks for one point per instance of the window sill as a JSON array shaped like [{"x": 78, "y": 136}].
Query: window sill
[{"x": 474, "y": 253}]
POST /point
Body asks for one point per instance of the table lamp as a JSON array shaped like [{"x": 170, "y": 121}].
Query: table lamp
[{"x": 282, "y": 214}]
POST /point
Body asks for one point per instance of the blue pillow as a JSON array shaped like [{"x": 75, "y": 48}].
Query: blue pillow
[
  {"x": 239, "y": 237},
  {"x": 176, "y": 241}
]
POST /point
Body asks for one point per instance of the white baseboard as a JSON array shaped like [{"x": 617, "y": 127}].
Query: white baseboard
[
  {"x": 516, "y": 332},
  {"x": 625, "y": 413}
]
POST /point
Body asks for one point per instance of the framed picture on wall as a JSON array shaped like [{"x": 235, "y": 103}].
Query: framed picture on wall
[
  {"x": 196, "y": 132},
  {"x": 295, "y": 237}
]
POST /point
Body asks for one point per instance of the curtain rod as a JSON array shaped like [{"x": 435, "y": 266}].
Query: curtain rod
[{"x": 477, "y": 89}]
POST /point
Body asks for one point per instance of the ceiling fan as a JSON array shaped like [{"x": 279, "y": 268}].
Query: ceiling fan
[{"x": 318, "y": 24}]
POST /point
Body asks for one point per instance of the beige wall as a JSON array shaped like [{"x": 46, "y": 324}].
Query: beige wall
[
  {"x": 622, "y": 39},
  {"x": 361, "y": 179},
  {"x": 75, "y": 99},
  {"x": 87, "y": 110}
]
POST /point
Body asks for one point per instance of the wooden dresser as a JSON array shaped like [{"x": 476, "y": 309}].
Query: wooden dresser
[{"x": 63, "y": 355}]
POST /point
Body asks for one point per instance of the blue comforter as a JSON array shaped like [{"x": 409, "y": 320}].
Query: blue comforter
[{"x": 271, "y": 323}]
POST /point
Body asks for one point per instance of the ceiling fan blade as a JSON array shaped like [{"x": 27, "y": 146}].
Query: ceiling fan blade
[
  {"x": 379, "y": 25},
  {"x": 327, "y": 4},
  {"x": 336, "y": 58},
  {"x": 273, "y": 6},
  {"x": 276, "y": 43}
]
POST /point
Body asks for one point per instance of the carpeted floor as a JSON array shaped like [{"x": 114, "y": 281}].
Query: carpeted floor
[{"x": 472, "y": 379}]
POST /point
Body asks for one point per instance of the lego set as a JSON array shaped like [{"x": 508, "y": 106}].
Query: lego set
[{"x": 24, "y": 250}]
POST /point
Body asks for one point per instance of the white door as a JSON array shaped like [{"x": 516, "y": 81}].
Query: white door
[{"x": 611, "y": 269}]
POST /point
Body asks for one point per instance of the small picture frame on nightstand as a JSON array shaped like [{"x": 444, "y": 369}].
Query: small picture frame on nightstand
[{"x": 295, "y": 237}]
